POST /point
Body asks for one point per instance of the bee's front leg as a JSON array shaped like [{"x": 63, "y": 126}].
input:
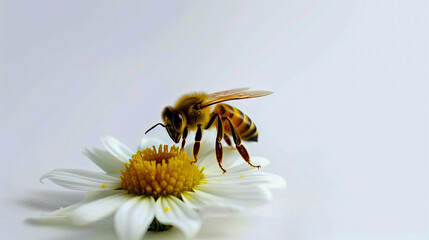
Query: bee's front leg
[
  {"x": 184, "y": 135},
  {"x": 198, "y": 137}
]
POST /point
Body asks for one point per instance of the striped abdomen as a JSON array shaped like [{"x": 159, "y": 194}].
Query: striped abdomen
[{"x": 244, "y": 126}]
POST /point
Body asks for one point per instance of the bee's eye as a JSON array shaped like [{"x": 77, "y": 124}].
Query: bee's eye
[{"x": 177, "y": 120}]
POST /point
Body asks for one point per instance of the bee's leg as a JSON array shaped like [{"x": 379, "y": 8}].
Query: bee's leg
[
  {"x": 219, "y": 136},
  {"x": 240, "y": 148},
  {"x": 184, "y": 135},
  {"x": 211, "y": 121},
  {"x": 227, "y": 140},
  {"x": 198, "y": 137}
]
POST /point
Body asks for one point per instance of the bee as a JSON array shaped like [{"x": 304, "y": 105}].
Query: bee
[{"x": 193, "y": 112}]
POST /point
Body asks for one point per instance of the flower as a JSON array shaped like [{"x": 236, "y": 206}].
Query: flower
[{"x": 158, "y": 188}]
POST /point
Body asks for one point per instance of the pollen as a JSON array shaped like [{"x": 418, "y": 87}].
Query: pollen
[
  {"x": 103, "y": 186},
  {"x": 160, "y": 172},
  {"x": 167, "y": 209}
]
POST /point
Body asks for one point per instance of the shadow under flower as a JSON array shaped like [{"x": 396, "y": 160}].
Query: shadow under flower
[{"x": 48, "y": 201}]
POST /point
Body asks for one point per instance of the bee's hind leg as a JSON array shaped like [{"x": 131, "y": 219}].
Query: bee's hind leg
[{"x": 240, "y": 148}]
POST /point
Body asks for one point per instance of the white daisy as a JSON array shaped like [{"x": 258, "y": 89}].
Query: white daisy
[{"x": 156, "y": 189}]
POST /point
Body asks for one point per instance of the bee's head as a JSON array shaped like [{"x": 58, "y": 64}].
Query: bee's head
[{"x": 174, "y": 123}]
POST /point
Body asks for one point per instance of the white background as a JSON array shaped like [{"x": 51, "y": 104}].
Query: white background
[{"x": 347, "y": 125}]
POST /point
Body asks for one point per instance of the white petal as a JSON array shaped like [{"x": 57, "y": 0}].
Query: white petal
[
  {"x": 196, "y": 200},
  {"x": 250, "y": 178},
  {"x": 82, "y": 180},
  {"x": 209, "y": 161},
  {"x": 106, "y": 161},
  {"x": 62, "y": 216},
  {"x": 58, "y": 217},
  {"x": 243, "y": 166},
  {"x": 116, "y": 148},
  {"x": 171, "y": 210},
  {"x": 242, "y": 195},
  {"x": 91, "y": 196},
  {"x": 231, "y": 161},
  {"x": 98, "y": 209},
  {"x": 134, "y": 217},
  {"x": 149, "y": 142},
  {"x": 202, "y": 200},
  {"x": 207, "y": 156},
  {"x": 189, "y": 147}
]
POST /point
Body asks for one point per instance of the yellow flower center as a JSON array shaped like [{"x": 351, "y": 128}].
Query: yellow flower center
[{"x": 160, "y": 173}]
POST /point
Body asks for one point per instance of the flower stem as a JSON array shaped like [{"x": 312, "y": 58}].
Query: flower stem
[{"x": 156, "y": 226}]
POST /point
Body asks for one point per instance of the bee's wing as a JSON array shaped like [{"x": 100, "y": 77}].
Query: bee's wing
[
  {"x": 228, "y": 92},
  {"x": 233, "y": 94}
]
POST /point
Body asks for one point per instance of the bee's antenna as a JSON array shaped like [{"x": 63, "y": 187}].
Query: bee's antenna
[{"x": 154, "y": 127}]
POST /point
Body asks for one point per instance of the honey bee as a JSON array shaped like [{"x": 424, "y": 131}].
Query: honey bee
[{"x": 192, "y": 112}]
